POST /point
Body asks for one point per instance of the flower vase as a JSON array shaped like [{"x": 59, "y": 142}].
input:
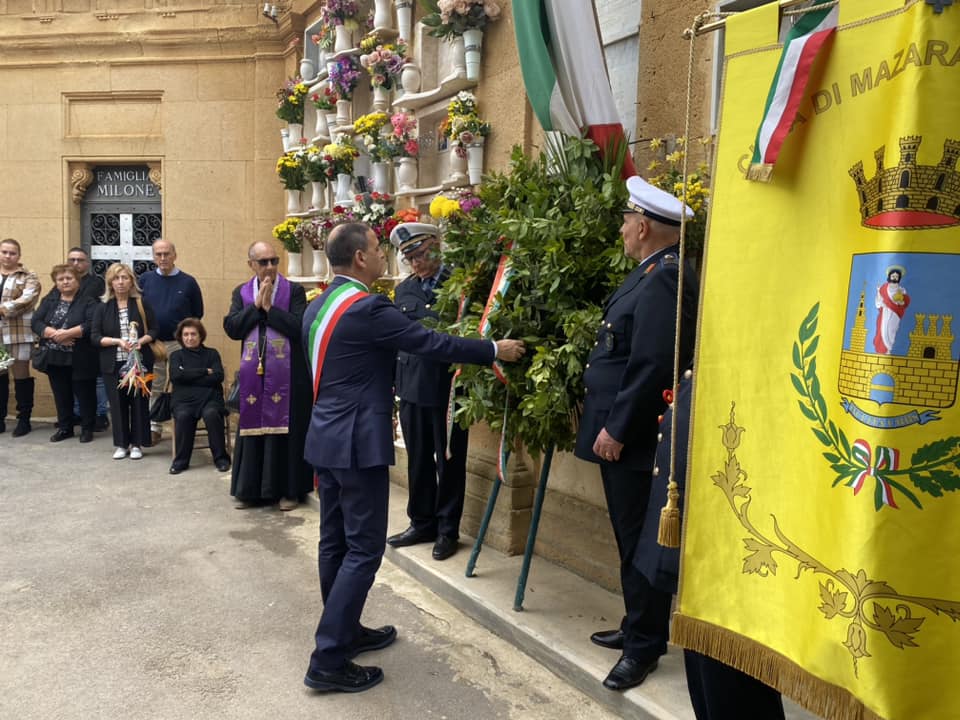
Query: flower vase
[
  {"x": 318, "y": 196},
  {"x": 406, "y": 174},
  {"x": 475, "y": 161},
  {"x": 361, "y": 165},
  {"x": 294, "y": 263},
  {"x": 295, "y": 135},
  {"x": 331, "y": 64},
  {"x": 344, "y": 113},
  {"x": 410, "y": 78},
  {"x": 458, "y": 56},
  {"x": 404, "y": 17},
  {"x": 381, "y": 14},
  {"x": 321, "y": 59},
  {"x": 343, "y": 39},
  {"x": 458, "y": 165},
  {"x": 381, "y": 98},
  {"x": 293, "y": 202},
  {"x": 307, "y": 71},
  {"x": 320, "y": 126},
  {"x": 381, "y": 177},
  {"x": 343, "y": 189},
  {"x": 393, "y": 268},
  {"x": 285, "y": 138},
  {"x": 331, "y": 123},
  {"x": 319, "y": 269},
  {"x": 472, "y": 42}
]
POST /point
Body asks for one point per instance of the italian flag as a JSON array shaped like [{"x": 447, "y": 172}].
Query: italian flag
[
  {"x": 561, "y": 59},
  {"x": 804, "y": 42}
]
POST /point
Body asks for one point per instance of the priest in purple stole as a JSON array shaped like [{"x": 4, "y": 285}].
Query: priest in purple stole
[{"x": 275, "y": 391}]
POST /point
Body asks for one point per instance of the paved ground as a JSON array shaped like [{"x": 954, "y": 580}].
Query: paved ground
[{"x": 126, "y": 592}]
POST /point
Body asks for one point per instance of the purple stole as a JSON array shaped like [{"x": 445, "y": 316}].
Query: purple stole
[{"x": 265, "y": 398}]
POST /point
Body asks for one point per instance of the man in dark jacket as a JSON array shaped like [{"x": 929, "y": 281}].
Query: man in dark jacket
[
  {"x": 630, "y": 367},
  {"x": 436, "y": 482}
]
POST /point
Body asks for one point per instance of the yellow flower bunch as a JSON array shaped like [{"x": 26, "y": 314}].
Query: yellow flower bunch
[
  {"x": 668, "y": 166},
  {"x": 370, "y": 123},
  {"x": 291, "y": 172},
  {"x": 285, "y": 232},
  {"x": 443, "y": 207}
]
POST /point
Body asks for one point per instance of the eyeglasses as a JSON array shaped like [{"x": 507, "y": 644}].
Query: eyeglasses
[
  {"x": 420, "y": 254},
  {"x": 267, "y": 262}
]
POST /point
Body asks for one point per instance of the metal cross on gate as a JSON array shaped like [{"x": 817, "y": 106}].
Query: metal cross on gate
[{"x": 123, "y": 237}]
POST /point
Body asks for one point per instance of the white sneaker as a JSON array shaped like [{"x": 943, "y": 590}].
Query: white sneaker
[
  {"x": 119, "y": 453},
  {"x": 135, "y": 453}
]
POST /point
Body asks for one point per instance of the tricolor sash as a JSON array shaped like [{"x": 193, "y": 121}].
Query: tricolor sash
[
  {"x": 338, "y": 301},
  {"x": 265, "y": 396}
]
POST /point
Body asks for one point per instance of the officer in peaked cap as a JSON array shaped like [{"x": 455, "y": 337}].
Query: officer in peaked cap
[
  {"x": 630, "y": 366},
  {"x": 436, "y": 483}
]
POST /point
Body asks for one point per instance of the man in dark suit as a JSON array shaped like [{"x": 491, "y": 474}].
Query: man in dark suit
[
  {"x": 352, "y": 337},
  {"x": 436, "y": 482},
  {"x": 630, "y": 367}
]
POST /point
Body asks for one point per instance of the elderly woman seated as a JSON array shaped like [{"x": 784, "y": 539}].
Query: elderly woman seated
[{"x": 196, "y": 373}]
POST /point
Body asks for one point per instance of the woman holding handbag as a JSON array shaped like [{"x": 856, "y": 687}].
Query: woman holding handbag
[
  {"x": 196, "y": 373},
  {"x": 62, "y": 322},
  {"x": 114, "y": 332}
]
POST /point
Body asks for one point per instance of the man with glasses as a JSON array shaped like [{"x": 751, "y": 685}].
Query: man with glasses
[
  {"x": 436, "y": 483},
  {"x": 173, "y": 295},
  {"x": 265, "y": 314}
]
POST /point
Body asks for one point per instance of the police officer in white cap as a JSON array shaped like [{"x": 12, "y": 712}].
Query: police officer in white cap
[
  {"x": 625, "y": 376},
  {"x": 436, "y": 483}
]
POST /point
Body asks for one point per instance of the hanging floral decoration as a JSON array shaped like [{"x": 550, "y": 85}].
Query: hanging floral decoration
[
  {"x": 450, "y": 18},
  {"x": 290, "y": 100},
  {"x": 286, "y": 233},
  {"x": 325, "y": 37},
  {"x": 338, "y": 157},
  {"x": 369, "y": 129},
  {"x": 345, "y": 76},
  {"x": 384, "y": 62},
  {"x": 314, "y": 165},
  {"x": 402, "y": 140},
  {"x": 375, "y": 210},
  {"x": 463, "y": 124},
  {"x": 291, "y": 171},
  {"x": 325, "y": 101}
]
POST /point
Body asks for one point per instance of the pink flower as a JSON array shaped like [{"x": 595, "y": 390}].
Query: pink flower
[
  {"x": 491, "y": 9},
  {"x": 411, "y": 147}
]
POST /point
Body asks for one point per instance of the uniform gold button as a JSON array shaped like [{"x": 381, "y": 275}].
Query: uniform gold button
[
  {"x": 588, "y": 366},
  {"x": 659, "y": 437},
  {"x": 609, "y": 325},
  {"x": 427, "y": 306},
  {"x": 656, "y": 471}
]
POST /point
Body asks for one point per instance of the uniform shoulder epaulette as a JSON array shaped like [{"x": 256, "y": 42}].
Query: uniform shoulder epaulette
[{"x": 669, "y": 259}]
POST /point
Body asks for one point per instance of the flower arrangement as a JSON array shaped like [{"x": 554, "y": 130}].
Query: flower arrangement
[
  {"x": 450, "y": 18},
  {"x": 314, "y": 166},
  {"x": 341, "y": 12},
  {"x": 368, "y": 127},
  {"x": 291, "y": 171},
  {"x": 325, "y": 38},
  {"x": 338, "y": 157},
  {"x": 463, "y": 124},
  {"x": 290, "y": 100},
  {"x": 327, "y": 221},
  {"x": 455, "y": 203},
  {"x": 668, "y": 162},
  {"x": 345, "y": 76},
  {"x": 407, "y": 215},
  {"x": 325, "y": 102},
  {"x": 384, "y": 63},
  {"x": 375, "y": 210},
  {"x": 315, "y": 292},
  {"x": 134, "y": 377},
  {"x": 402, "y": 140},
  {"x": 286, "y": 233},
  {"x": 309, "y": 232}
]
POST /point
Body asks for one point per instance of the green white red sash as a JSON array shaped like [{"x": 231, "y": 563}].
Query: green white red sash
[
  {"x": 321, "y": 329},
  {"x": 501, "y": 283},
  {"x": 803, "y": 44}
]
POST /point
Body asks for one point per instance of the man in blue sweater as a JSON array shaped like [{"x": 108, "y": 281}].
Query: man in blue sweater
[{"x": 173, "y": 295}]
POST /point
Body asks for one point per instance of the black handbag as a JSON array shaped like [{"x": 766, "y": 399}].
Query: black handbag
[
  {"x": 233, "y": 397},
  {"x": 161, "y": 410},
  {"x": 40, "y": 357}
]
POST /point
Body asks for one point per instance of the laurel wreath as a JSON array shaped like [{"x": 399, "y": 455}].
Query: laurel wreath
[
  {"x": 930, "y": 471},
  {"x": 868, "y": 604}
]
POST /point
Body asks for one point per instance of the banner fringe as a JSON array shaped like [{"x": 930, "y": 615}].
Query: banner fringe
[
  {"x": 760, "y": 172},
  {"x": 770, "y": 667}
]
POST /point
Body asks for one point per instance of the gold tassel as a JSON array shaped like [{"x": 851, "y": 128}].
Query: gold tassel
[
  {"x": 760, "y": 172},
  {"x": 668, "y": 534},
  {"x": 260, "y": 368}
]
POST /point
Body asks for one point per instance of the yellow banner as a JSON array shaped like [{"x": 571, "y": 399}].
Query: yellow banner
[{"x": 822, "y": 534}]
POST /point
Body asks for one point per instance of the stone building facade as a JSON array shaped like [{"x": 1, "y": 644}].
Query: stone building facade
[{"x": 124, "y": 119}]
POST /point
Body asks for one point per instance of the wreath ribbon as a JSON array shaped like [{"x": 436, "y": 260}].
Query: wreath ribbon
[{"x": 873, "y": 464}]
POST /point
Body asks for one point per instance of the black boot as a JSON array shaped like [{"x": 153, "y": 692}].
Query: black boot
[
  {"x": 4, "y": 398},
  {"x": 23, "y": 389}
]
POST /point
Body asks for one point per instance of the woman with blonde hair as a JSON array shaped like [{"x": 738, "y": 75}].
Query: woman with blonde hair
[
  {"x": 19, "y": 293},
  {"x": 113, "y": 332}
]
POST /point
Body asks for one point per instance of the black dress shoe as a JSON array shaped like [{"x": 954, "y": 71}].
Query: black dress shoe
[
  {"x": 444, "y": 547},
  {"x": 411, "y": 536},
  {"x": 86, "y": 435},
  {"x": 372, "y": 639},
  {"x": 174, "y": 470},
  {"x": 612, "y": 639},
  {"x": 222, "y": 465},
  {"x": 101, "y": 423},
  {"x": 61, "y": 435},
  {"x": 349, "y": 677},
  {"x": 628, "y": 673}
]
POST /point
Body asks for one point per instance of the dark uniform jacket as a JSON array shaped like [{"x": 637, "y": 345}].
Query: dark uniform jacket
[
  {"x": 632, "y": 361},
  {"x": 419, "y": 379}
]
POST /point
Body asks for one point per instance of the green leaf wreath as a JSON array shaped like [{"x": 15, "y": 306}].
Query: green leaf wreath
[{"x": 563, "y": 216}]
